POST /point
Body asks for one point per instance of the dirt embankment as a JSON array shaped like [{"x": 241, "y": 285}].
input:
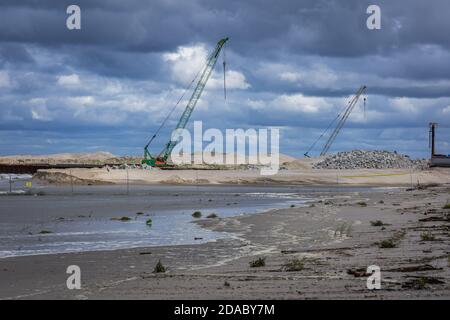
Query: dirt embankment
[
  {"x": 357, "y": 177},
  {"x": 65, "y": 178}
]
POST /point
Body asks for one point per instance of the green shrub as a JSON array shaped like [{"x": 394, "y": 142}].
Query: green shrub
[
  {"x": 197, "y": 214},
  {"x": 362, "y": 204},
  {"x": 159, "y": 268},
  {"x": 149, "y": 222},
  {"x": 447, "y": 206},
  {"x": 427, "y": 236},
  {"x": 388, "y": 243},
  {"x": 123, "y": 219},
  {"x": 260, "y": 262},
  {"x": 376, "y": 223},
  {"x": 294, "y": 265}
]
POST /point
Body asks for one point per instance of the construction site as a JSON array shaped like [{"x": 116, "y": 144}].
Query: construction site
[
  {"x": 104, "y": 161},
  {"x": 179, "y": 220}
]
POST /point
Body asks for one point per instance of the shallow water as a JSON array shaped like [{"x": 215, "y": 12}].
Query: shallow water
[{"x": 81, "y": 221}]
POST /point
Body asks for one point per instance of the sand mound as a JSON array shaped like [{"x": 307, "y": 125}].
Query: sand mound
[
  {"x": 64, "y": 178},
  {"x": 59, "y": 158},
  {"x": 178, "y": 180}
]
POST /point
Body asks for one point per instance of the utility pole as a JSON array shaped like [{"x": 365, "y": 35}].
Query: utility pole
[
  {"x": 10, "y": 184},
  {"x": 71, "y": 182},
  {"x": 433, "y": 126},
  {"x": 128, "y": 183}
]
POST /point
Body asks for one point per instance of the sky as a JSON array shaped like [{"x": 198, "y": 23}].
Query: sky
[{"x": 293, "y": 65}]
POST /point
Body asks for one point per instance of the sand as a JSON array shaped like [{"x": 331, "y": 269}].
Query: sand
[
  {"x": 380, "y": 177},
  {"x": 333, "y": 238}
]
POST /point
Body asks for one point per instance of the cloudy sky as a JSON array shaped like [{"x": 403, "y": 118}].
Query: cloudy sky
[{"x": 291, "y": 64}]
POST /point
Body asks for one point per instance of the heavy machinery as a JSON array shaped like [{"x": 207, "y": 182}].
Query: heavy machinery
[
  {"x": 437, "y": 160},
  {"x": 161, "y": 159},
  {"x": 342, "y": 117}
]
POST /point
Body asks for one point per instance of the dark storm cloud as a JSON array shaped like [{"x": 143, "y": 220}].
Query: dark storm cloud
[{"x": 112, "y": 74}]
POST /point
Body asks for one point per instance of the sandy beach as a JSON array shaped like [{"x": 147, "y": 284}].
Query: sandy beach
[{"x": 330, "y": 241}]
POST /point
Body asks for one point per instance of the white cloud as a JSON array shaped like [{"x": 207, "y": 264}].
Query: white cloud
[
  {"x": 446, "y": 109},
  {"x": 317, "y": 75},
  {"x": 80, "y": 101},
  {"x": 69, "y": 80},
  {"x": 234, "y": 80},
  {"x": 256, "y": 104},
  {"x": 5, "y": 81},
  {"x": 298, "y": 102},
  {"x": 39, "y": 109},
  {"x": 290, "y": 76},
  {"x": 188, "y": 61}
]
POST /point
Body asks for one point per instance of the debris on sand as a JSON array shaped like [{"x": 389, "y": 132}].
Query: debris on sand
[
  {"x": 358, "y": 273},
  {"x": 123, "y": 219},
  {"x": 377, "y": 223},
  {"x": 423, "y": 267},
  {"x": 420, "y": 283}
]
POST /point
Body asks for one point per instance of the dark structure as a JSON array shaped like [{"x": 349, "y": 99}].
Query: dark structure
[
  {"x": 437, "y": 160},
  {"x": 33, "y": 168}
]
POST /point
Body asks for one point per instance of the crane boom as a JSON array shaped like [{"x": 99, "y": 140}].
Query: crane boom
[
  {"x": 343, "y": 119},
  {"x": 161, "y": 159}
]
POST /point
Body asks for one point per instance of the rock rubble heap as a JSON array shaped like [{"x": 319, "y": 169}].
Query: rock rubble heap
[{"x": 360, "y": 159}]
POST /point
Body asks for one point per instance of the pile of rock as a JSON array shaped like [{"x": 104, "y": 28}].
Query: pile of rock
[{"x": 360, "y": 159}]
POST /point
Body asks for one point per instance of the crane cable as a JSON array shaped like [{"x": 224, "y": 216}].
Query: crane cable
[
  {"x": 321, "y": 136},
  {"x": 174, "y": 107},
  {"x": 323, "y": 133}
]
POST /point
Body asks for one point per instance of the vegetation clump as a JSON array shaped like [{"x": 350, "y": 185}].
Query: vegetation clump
[
  {"x": 427, "y": 236},
  {"x": 376, "y": 223},
  {"x": 159, "y": 268},
  {"x": 388, "y": 243},
  {"x": 123, "y": 219},
  {"x": 260, "y": 262},
  {"x": 295, "y": 265},
  {"x": 212, "y": 216},
  {"x": 197, "y": 214},
  {"x": 362, "y": 204}
]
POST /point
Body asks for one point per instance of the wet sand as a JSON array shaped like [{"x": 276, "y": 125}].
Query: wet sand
[{"x": 334, "y": 239}]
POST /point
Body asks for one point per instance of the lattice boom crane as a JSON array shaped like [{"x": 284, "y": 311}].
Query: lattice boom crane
[
  {"x": 343, "y": 119},
  {"x": 161, "y": 159}
]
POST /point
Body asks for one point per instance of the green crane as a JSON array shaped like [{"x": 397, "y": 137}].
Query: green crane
[{"x": 161, "y": 159}]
